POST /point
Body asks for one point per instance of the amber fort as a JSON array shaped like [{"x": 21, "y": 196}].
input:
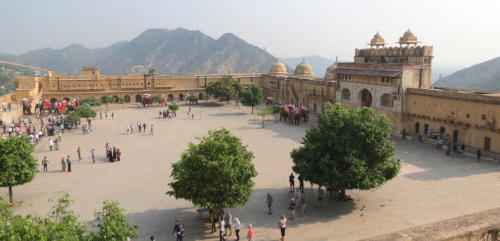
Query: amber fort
[{"x": 394, "y": 81}]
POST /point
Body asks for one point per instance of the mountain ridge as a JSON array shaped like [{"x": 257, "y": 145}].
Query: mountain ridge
[{"x": 178, "y": 51}]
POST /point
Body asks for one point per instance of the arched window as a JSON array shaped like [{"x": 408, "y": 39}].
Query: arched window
[
  {"x": 200, "y": 96},
  {"x": 346, "y": 94},
  {"x": 138, "y": 98},
  {"x": 126, "y": 98},
  {"x": 387, "y": 100}
]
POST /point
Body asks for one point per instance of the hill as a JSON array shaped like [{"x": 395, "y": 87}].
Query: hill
[
  {"x": 318, "y": 64},
  {"x": 8, "y": 71},
  {"x": 483, "y": 76},
  {"x": 178, "y": 51}
]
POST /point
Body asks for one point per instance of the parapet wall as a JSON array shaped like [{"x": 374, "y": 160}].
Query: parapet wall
[{"x": 401, "y": 55}]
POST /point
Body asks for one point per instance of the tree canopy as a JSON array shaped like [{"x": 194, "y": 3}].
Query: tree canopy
[
  {"x": 73, "y": 117},
  {"x": 156, "y": 99},
  {"x": 252, "y": 96},
  {"x": 224, "y": 89},
  {"x": 63, "y": 224},
  {"x": 17, "y": 164},
  {"x": 348, "y": 149},
  {"x": 173, "y": 107},
  {"x": 85, "y": 111},
  {"x": 216, "y": 173},
  {"x": 91, "y": 101},
  {"x": 107, "y": 99}
]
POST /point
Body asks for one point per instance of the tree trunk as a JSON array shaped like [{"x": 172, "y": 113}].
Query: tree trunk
[
  {"x": 252, "y": 109},
  {"x": 11, "y": 195}
]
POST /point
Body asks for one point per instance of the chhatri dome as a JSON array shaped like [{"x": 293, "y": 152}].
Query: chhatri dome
[
  {"x": 278, "y": 68},
  {"x": 303, "y": 69},
  {"x": 408, "y": 38},
  {"x": 377, "y": 40}
]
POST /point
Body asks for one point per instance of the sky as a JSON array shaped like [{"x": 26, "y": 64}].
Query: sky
[{"x": 463, "y": 32}]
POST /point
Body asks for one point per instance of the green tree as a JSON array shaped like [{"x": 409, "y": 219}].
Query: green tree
[
  {"x": 91, "y": 101},
  {"x": 17, "y": 164},
  {"x": 216, "y": 173},
  {"x": 73, "y": 117},
  {"x": 174, "y": 108},
  {"x": 85, "y": 111},
  {"x": 120, "y": 100},
  {"x": 107, "y": 99},
  {"x": 156, "y": 99},
  {"x": 112, "y": 224},
  {"x": 348, "y": 149},
  {"x": 224, "y": 89},
  {"x": 252, "y": 96}
]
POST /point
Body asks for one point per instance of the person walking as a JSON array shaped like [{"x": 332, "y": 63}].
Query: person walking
[
  {"x": 250, "y": 233},
  {"x": 176, "y": 227},
  {"x": 100, "y": 115},
  {"x": 78, "y": 151},
  {"x": 303, "y": 202},
  {"x": 112, "y": 115},
  {"x": 118, "y": 154},
  {"x": 144, "y": 127},
  {"x": 45, "y": 164},
  {"x": 180, "y": 234},
  {"x": 213, "y": 219},
  {"x": 269, "y": 203},
  {"x": 237, "y": 226},
  {"x": 291, "y": 208},
  {"x": 63, "y": 164},
  {"x": 92, "y": 152},
  {"x": 291, "y": 179},
  {"x": 51, "y": 143},
  {"x": 282, "y": 225},
  {"x": 151, "y": 131},
  {"x": 229, "y": 222},
  {"x": 222, "y": 224},
  {"x": 301, "y": 183},
  {"x": 68, "y": 161},
  {"x": 478, "y": 154}
]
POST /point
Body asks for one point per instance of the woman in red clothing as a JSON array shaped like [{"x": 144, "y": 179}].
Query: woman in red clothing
[
  {"x": 250, "y": 233},
  {"x": 118, "y": 154}
]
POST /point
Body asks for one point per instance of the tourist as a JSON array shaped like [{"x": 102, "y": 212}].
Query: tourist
[
  {"x": 45, "y": 164},
  {"x": 320, "y": 197},
  {"x": 282, "y": 225},
  {"x": 118, "y": 154},
  {"x": 291, "y": 208},
  {"x": 68, "y": 161},
  {"x": 229, "y": 222},
  {"x": 180, "y": 234},
  {"x": 59, "y": 136},
  {"x": 63, "y": 164},
  {"x": 221, "y": 229},
  {"x": 139, "y": 127},
  {"x": 250, "y": 233},
  {"x": 92, "y": 152},
  {"x": 404, "y": 133},
  {"x": 112, "y": 115},
  {"x": 301, "y": 183},
  {"x": 144, "y": 127},
  {"x": 303, "y": 202},
  {"x": 114, "y": 153},
  {"x": 128, "y": 130},
  {"x": 106, "y": 114},
  {"x": 192, "y": 116},
  {"x": 462, "y": 149},
  {"x": 151, "y": 131},
  {"x": 78, "y": 151},
  {"x": 176, "y": 228},
  {"x": 213, "y": 218},
  {"x": 269, "y": 203},
  {"x": 201, "y": 115},
  {"x": 237, "y": 226},
  {"x": 51, "y": 143},
  {"x": 100, "y": 115},
  {"x": 478, "y": 154},
  {"x": 291, "y": 179}
]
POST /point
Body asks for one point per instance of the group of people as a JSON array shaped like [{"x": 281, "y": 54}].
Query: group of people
[
  {"x": 141, "y": 128},
  {"x": 106, "y": 115},
  {"x": 113, "y": 153},
  {"x": 6, "y": 107},
  {"x": 225, "y": 221},
  {"x": 166, "y": 114}
]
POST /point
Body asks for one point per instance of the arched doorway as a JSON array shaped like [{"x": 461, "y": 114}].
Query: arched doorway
[
  {"x": 126, "y": 99},
  {"x": 181, "y": 97},
  {"x": 200, "y": 96},
  {"x": 116, "y": 98},
  {"x": 315, "y": 107},
  {"x": 138, "y": 98},
  {"x": 170, "y": 97},
  {"x": 366, "y": 98}
]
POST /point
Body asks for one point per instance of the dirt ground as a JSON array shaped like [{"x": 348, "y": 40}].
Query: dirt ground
[{"x": 430, "y": 187}]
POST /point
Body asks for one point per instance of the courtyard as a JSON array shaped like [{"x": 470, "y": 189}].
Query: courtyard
[{"x": 430, "y": 187}]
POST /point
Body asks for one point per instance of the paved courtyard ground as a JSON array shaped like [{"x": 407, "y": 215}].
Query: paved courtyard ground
[{"x": 430, "y": 187}]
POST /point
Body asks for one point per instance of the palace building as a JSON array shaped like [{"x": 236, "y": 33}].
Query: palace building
[{"x": 394, "y": 81}]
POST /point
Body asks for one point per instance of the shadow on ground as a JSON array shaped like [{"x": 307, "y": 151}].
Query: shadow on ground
[{"x": 160, "y": 223}]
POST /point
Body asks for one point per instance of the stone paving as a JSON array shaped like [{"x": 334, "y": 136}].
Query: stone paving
[{"x": 431, "y": 186}]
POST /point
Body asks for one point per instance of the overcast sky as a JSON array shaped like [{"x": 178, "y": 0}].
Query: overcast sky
[{"x": 463, "y": 32}]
